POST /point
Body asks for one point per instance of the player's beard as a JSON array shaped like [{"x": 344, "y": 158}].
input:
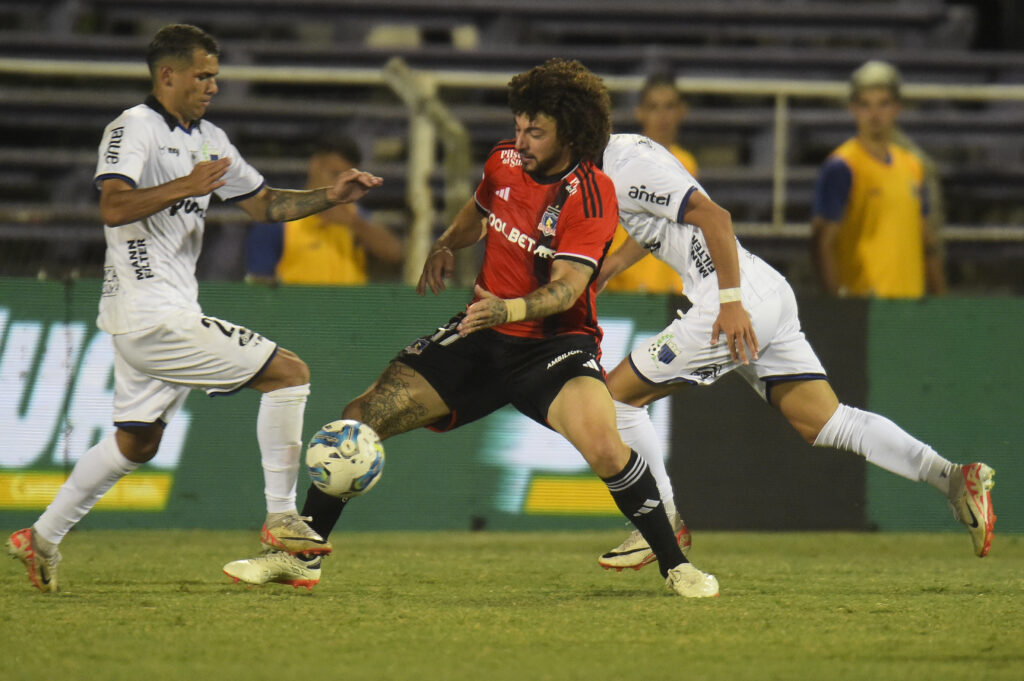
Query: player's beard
[{"x": 548, "y": 166}]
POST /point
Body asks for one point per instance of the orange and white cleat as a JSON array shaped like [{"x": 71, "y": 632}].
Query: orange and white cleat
[
  {"x": 278, "y": 567},
  {"x": 289, "y": 532},
  {"x": 42, "y": 568},
  {"x": 970, "y": 497},
  {"x": 635, "y": 553}
]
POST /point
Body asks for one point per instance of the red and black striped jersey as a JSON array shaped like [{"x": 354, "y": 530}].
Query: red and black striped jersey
[{"x": 527, "y": 230}]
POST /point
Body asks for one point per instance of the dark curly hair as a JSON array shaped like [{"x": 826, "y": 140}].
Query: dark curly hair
[{"x": 569, "y": 93}]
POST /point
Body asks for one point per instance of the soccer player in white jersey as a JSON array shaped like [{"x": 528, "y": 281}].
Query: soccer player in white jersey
[
  {"x": 159, "y": 162},
  {"x": 741, "y": 300}
]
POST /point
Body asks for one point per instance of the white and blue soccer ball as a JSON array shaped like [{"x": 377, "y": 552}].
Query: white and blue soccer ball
[{"x": 345, "y": 458}]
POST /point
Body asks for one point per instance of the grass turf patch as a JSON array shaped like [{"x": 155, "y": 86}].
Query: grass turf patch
[{"x": 154, "y": 605}]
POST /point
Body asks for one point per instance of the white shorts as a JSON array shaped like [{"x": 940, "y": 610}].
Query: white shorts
[
  {"x": 155, "y": 368},
  {"x": 683, "y": 353}
]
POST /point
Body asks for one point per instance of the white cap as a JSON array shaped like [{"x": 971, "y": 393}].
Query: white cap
[{"x": 875, "y": 73}]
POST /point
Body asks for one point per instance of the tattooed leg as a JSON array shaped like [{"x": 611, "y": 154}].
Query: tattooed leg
[{"x": 401, "y": 400}]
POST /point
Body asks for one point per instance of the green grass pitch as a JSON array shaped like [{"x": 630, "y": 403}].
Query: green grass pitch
[{"x": 154, "y": 605}]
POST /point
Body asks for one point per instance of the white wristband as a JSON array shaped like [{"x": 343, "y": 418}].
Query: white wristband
[
  {"x": 515, "y": 309},
  {"x": 729, "y": 295}
]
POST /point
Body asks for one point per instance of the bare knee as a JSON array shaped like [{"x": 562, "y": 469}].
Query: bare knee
[
  {"x": 294, "y": 370},
  {"x": 139, "y": 443},
  {"x": 285, "y": 370},
  {"x": 607, "y": 457}
]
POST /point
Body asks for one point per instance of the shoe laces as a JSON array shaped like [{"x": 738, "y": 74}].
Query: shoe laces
[{"x": 291, "y": 521}]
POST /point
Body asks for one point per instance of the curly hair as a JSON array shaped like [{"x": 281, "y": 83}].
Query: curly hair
[{"x": 573, "y": 96}]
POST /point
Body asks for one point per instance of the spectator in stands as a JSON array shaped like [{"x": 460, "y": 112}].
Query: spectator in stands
[
  {"x": 660, "y": 113},
  {"x": 326, "y": 248},
  {"x": 872, "y": 235}
]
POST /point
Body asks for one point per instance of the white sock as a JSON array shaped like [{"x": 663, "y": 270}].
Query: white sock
[
  {"x": 93, "y": 475},
  {"x": 279, "y": 432},
  {"x": 886, "y": 445},
  {"x": 637, "y": 431}
]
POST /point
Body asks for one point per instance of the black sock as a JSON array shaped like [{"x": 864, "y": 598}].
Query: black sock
[
  {"x": 324, "y": 510},
  {"x": 636, "y": 494}
]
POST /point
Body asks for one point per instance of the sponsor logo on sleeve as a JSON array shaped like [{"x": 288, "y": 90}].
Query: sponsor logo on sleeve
[
  {"x": 113, "y": 152},
  {"x": 642, "y": 194}
]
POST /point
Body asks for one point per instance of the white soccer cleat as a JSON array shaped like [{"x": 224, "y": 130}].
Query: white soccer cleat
[
  {"x": 970, "y": 497},
  {"x": 42, "y": 568},
  {"x": 635, "y": 552},
  {"x": 290, "y": 533},
  {"x": 278, "y": 567},
  {"x": 689, "y": 582}
]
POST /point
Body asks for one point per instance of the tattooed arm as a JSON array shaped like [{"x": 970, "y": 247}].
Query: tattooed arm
[
  {"x": 282, "y": 205},
  {"x": 568, "y": 280}
]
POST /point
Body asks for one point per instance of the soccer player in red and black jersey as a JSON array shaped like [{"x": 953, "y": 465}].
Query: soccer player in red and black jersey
[{"x": 530, "y": 336}]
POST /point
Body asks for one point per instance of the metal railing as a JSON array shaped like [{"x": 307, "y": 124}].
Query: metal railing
[{"x": 430, "y": 121}]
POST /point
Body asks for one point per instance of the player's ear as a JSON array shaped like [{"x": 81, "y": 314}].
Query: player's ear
[{"x": 165, "y": 74}]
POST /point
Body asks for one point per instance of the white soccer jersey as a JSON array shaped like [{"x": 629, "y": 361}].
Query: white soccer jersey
[
  {"x": 150, "y": 264},
  {"x": 653, "y": 187}
]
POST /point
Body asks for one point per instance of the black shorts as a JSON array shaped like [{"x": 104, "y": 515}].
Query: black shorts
[{"x": 486, "y": 370}]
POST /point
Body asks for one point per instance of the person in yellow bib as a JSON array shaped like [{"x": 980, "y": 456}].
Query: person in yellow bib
[
  {"x": 660, "y": 113},
  {"x": 328, "y": 248},
  {"x": 871, "y": 233}
]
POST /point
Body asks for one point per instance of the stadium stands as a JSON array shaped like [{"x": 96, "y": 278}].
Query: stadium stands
[{"x": 49, "y": 126}]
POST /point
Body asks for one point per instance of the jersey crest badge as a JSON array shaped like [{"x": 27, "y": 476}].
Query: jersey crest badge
[
  {"x": 549, "y": 221},
  {"x": 206, "y": 153}
]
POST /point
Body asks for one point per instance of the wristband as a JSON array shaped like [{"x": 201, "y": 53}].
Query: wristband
[
  {"x": 729, "y": 295},
  {"x": 441, "y": 249},
  {"x": 515, "y": 308}
]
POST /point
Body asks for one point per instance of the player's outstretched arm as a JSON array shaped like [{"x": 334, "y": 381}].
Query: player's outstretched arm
[
  {"x": 733, "y": 322},
  {"x": 466, "y": 229},
  {"x": 121, "y": 203},
  {"x": 282, "y": 205},
  {"x": 624, "y": 257},
  {"x": 568, "y": 280}
]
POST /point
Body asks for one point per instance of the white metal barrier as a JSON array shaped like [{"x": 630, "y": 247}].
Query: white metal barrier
[{"x": 419, "y": 90}]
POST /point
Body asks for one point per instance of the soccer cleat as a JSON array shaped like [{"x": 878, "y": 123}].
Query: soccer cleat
[
  {"x": 42, "y": 569},
  {"x": 291, "y": 534},
  {"x": 970, "y": 497},
  {"x": 635, "y": 553},
  {"x": 689, "y": 582},
  {"x": 278, "y": 567}
]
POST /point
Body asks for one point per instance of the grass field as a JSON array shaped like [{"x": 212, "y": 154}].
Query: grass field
[{"x": 154, "y": 605}]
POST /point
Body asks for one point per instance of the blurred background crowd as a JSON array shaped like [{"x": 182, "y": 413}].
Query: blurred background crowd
[{"x": 752, "y": 93}]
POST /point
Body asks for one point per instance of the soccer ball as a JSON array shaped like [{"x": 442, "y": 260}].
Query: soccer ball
[{"x": 345, "y": 458}]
